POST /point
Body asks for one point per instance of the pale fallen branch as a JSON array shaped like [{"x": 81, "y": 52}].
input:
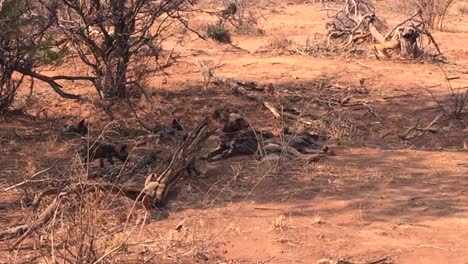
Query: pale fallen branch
[
  {"x": 407, "y": 134},
  {"x": 26, "y": 181}
]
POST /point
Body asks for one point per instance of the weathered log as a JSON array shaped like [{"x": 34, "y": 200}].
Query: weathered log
[
  {"x": 182, "y": 161},
  {"x": 275, "y": 150}
]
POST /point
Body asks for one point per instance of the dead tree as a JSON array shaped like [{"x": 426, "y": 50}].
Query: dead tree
[
  {"x": 350, "y": 24},
  {"x": 120, "y": 41},
  {"x": 434, "y": 11}
]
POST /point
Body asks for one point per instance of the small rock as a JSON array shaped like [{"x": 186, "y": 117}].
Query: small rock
[{"x": 326, "y": 261}]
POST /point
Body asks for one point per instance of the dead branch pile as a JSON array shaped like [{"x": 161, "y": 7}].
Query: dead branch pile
[
  {"x": 356, "y": 23},
  {"x": 334, "y": 98},
  {"x": 351, "y": 23},
  {"x": 182, "y": 161},
  {"x": 68, "y": 192}
]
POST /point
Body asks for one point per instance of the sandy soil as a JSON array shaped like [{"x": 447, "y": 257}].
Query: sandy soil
[{"x": 379, "y": 197}]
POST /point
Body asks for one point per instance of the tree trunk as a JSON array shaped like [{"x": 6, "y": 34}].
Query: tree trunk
[{"x": 115, "y": 73}]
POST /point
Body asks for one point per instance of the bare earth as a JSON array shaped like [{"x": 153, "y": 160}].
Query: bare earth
[{"x": 379, "y": 197}]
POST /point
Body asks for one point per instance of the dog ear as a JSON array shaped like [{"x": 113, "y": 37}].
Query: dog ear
[
  {"x": 123, "y": 148},
  {"x": 83, "y": 127},
  {"x": 216, "y": 114},
  {"x": 67, "y": 128},
  {"x": 177, "y": 125},
  {"x": 241, "y": 123}
]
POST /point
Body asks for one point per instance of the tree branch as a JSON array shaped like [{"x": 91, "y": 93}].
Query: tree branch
[
  {"x": 51, "y": 81},
  {"x": 402, "y": 23}
]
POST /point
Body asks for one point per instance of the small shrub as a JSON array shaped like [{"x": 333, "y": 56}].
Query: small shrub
[
  {"x": 455, "y": 106},
  {"x": 463, "y": 9},
  {"x": 281, "y": 44},
  {"x": 218, "y": 32},
  {"x": 244, "y": 16},
  {"x": 317, "y": 46}
]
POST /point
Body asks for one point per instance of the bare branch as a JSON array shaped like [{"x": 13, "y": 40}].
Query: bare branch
[
  {"x": 49, "y": 80},
  {"x": 389, "y": 34}
]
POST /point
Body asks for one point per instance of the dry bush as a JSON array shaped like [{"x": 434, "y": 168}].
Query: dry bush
[
  {"x": 92, "y": 220},
  {"x": 25, "y": 43},
  {"x": 219, "y": 33},
  {"x": 89, "y": 228},
  {"x": 454, "y": 107},
  {"x": 92, "y": 226},
  {"x": 281, "y": 223},
  {"x": 247, "y": 19},
  {"x": 463, "y": 9},
  {"x": 433, "y": 11},
  {"x": 87, "y": 225},
  {"x": 339, "y": 127},
  {"x": 120, "y": 41},
  {"x": 278, "y": 44},
  {"x": 317, "y": 46}
]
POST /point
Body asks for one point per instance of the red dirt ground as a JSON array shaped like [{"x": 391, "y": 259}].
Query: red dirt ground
[{"x": 378, "y": 197}]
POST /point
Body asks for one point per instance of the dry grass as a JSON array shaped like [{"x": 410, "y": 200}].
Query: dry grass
[
  {"x": 90, "y": 225},
  {"x": 281, "y": 223},
  {"x": 278, "y": 44},
  {"x": 316, "y": 46},
  {"x": 95, "y": 226},
  {"x": 455, "y": 105}
]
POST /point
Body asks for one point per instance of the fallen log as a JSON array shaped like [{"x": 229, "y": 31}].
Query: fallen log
[{"x": 275, "y": 150}]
